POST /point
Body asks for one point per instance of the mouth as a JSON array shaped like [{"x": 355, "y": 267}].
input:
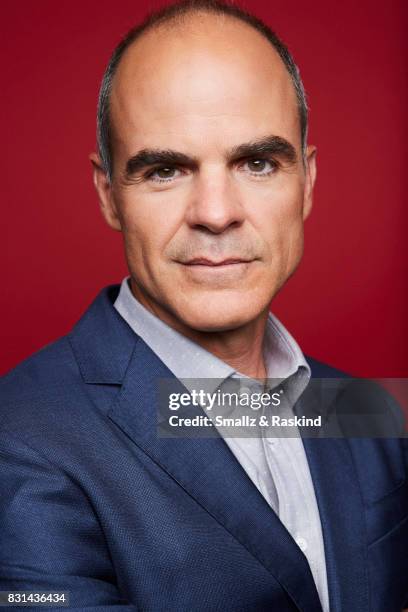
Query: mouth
[{"x": 230, "y": 261}]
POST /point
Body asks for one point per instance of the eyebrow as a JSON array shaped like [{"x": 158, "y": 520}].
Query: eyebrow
[
  {"x": 271, "y": 145},
  {"x": 151, "y": 157}
]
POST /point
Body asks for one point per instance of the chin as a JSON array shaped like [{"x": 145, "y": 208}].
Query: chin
[{"x": 220, "y": 315}]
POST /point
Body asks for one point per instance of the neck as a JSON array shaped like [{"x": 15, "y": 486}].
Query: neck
[{"x": 241, "y": 348}]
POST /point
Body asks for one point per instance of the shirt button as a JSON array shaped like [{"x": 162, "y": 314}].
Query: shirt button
[
  {"x": 245, "y": 391},
  {"x": 301, "y": 542}
]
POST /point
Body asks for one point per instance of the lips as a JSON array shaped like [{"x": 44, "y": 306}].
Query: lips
[{"x": 202, "y": 261}]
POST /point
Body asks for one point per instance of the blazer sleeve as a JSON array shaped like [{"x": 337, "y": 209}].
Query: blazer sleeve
[{"x": 50, "y": 537}]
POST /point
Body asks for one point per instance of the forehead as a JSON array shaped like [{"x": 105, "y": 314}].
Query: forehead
[{"x": 208, "y": 78}]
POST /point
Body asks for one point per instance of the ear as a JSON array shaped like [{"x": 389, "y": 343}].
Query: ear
[
  {"x": 103, "y": 188},
  {"x": 310, "y": 171}
]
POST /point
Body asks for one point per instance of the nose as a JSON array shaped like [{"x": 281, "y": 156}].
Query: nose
[{"x": 215, "y": 204}]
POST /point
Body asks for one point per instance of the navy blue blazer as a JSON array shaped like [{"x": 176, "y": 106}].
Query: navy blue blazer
[{"x": 93, "y": 502}]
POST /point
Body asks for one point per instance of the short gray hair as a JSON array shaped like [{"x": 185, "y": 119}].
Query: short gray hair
[{"x": 172, "y": 13}]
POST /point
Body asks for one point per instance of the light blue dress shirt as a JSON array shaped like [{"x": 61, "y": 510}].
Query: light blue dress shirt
[{"x": 276, "y": 465}]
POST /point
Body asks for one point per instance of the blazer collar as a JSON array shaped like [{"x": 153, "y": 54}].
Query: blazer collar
[{"x": 102, "y": 341}]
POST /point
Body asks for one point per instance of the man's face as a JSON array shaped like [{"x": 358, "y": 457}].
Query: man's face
[{"x": 209, "y": 187}]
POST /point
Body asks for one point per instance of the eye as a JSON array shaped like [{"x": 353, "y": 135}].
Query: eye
[
  {"x": 163, "y": 174},
  {"x": 260, "y": 167}
]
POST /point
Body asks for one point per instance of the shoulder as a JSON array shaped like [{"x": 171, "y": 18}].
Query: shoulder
[
  {"x": 38, "y": 384},
  {"x": 68, "y": 386},
  {"x": 49, "y": 363},
  {"x": 55, "y": 372},
  {"x": 364, "y": 407}
]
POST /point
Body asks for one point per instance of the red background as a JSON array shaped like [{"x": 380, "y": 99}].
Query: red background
[{"x": 347, "y": 304}]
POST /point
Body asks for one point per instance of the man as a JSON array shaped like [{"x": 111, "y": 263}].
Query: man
[{"x": 204, "y": 167}]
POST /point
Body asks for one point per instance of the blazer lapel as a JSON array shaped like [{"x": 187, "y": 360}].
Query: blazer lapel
[{"x": 341, "y": 512}]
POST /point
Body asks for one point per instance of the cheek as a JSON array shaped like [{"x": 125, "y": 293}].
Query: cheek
[
  {"x": 149, "y": 224},
  {"x": 277, "y": 216},
  {"x": 146, "y": 227}
]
